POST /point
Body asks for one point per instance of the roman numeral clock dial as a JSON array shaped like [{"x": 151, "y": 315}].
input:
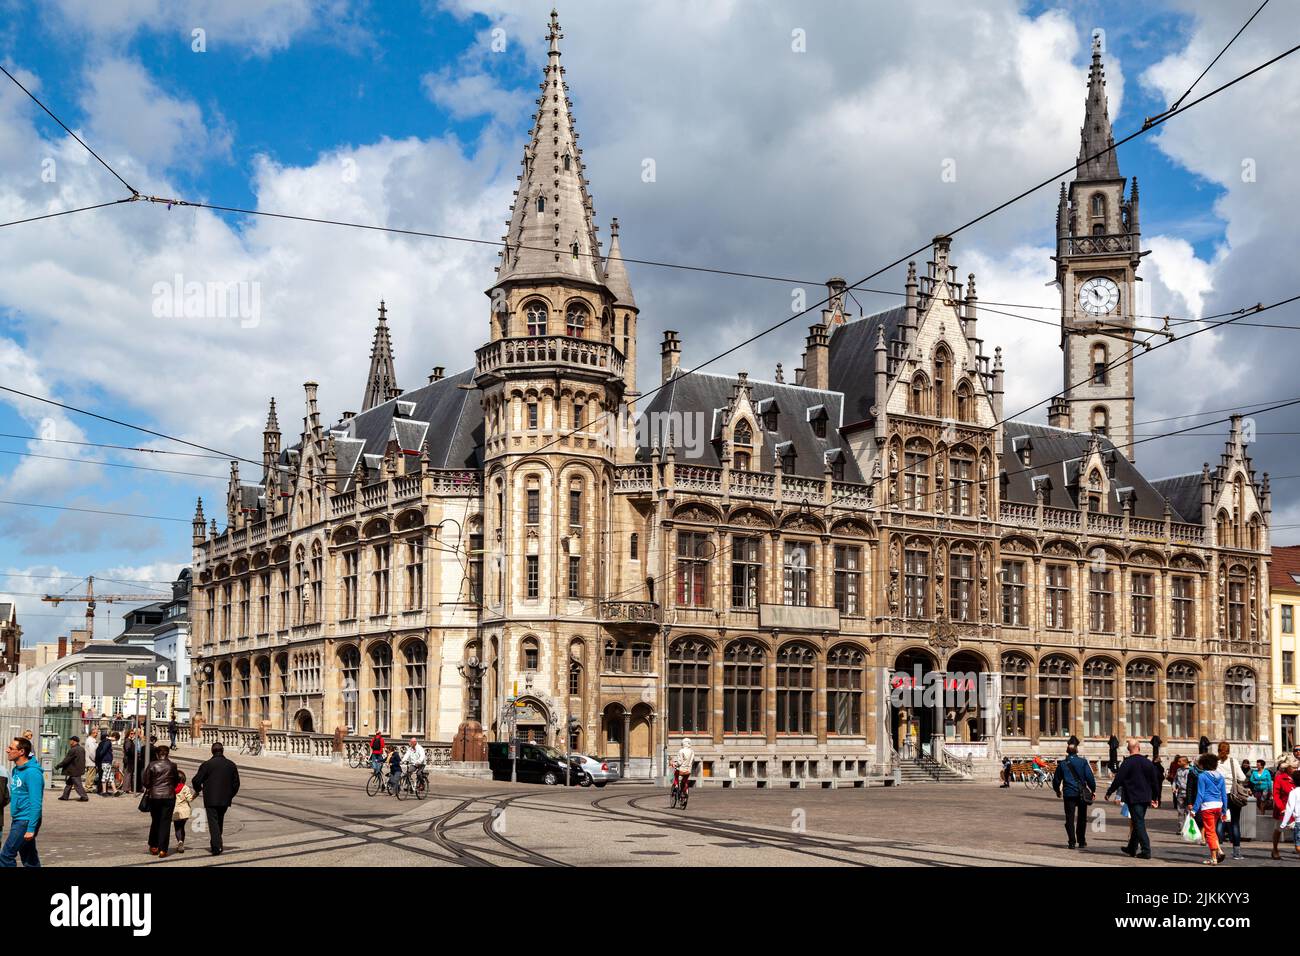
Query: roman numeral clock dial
[{"x": 1098, "y": 296}]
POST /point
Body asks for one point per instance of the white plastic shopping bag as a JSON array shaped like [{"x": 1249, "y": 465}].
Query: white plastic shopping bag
[{"x": 1191, "y": 832}]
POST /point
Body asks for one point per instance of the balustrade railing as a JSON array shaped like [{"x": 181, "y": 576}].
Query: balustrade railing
[
  {"x": 753, "y": 484},
  {"x": 634, "y": 478},
  {"x": 1097, "y": 245},
  {"x": 850, "y": 494},
  {"x": 698, "y": 478},
  {"x": 796, "y": 490},
  {"x": 406, "y": 487},
  {"x": 343, "y": 504},
  {"x": 452, "y": 481},
  {"x": 548, "y": 350}
]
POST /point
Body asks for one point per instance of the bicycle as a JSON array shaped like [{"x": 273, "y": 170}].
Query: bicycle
[
  {"x": 251, "y": 746},
  {"x": 378, "y": 781},
  {"x": 414, "y": 782},
  {"x": 359, "y": 756},
  {"x": 1034, "y": 781},
  {"x": 681, "y": 792}
]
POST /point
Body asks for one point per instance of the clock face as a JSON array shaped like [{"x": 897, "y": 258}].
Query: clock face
[{"x": 1098, "y": 296}]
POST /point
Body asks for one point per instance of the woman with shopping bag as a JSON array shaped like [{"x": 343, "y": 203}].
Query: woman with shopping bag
[{"x": 1211, "y": 800}]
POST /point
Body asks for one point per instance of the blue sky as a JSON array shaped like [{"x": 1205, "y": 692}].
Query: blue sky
[{"x": 341, "y": 80}]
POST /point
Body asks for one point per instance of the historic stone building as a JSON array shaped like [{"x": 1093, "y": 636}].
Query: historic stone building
[{"x": 809, "y": 579}]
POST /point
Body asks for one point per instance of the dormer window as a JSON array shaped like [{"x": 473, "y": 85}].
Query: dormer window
[
  {"x": 743, "y": 434},
  {"x": 818, "y": 418},
  {"x": 770, "y": 420}
]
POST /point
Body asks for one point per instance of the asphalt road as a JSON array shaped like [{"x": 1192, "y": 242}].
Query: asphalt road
[{"x": 295, "y": 813}]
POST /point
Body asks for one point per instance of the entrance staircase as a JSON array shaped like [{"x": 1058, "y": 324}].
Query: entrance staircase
[{"x": 925, "y": 769}]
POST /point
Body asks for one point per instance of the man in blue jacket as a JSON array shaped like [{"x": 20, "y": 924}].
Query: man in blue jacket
[
  {"x": 27, "y": 789},
  {"x": 1142, "y": 784},
  {"x": 1075, "y": 776}
]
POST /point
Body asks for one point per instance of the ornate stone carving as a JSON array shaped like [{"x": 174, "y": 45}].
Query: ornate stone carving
[{"x": 943, "y": 635}]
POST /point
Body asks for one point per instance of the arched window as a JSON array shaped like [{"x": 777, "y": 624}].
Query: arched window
[
  {"x": 575, "y": 319},
  {"x": 1101, "y": 420},
  {"x": 1099, "y": 364},
  {"x": 796, "y": 666},
  {"x": 742, "y": 683},
  {"x": 942, "y": 362},
  {"x": 916, "y": 581},
  {"x": 1055, "y": 692},
  {"x": 961, "y": 584},
  {"x": 530, "y": 652},
  {"x": 1180, "y": 692},
  {"x": 1239, "y": 703},
  {"x": 1098, "y": 698},
  {"x": 350, "y": 666},
  {"x": 381, "y": 687},
  {"x": 688, "y": 686},
  {"x": 634, "y": 547},
  {"x": 916, "y": 476},
  {"x": 1098, "y": 204},
  {"x": 541, "y": 204},
  {"x": 743, "y": 434},
  {"x": 845, "y": 680},
  {"x": 568, "y": 161},
  {"x": 916, "y": 397},
  {"x": 535, "y": 316},
  {"x": 417, "y": 680},
  {"x": 1140, "y": 693},
  {"x": 965, "y": 403},
  {"x": 961, "y": 480},
  {"x": 1015, "y": 695},
  {"x": 264, "y": 687}
]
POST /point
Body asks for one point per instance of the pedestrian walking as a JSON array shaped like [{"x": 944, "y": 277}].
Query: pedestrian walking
[
  {"x": 111, "y": 765},
  {"x": 4, "y": 797},
  {"x": 103, "y": 757},
  {"x": 1113, "y": 764},
  {"x": 91, "y": 746},
  {"x": 184, "y": 808},
  {"x": 1211, "y": 799},
  {"x": 217, "y": 781},
  {"x": 171, "y": 732},
  {"x": 1283, "y": 784},
  {"x": 1074, "y": 782},
  {"x": 129, "y": 758},
  {"x": 73, "y": 766},
  {"x": 1006, "y": 772},
  {"x": 159, "y": 787},
  {"x": 1261, "y": 782},
  {"x": 1238, "y": 798},
  {"x": 27, "y": 792},
  {"x": 1178, "y": 774},
  {"x": 1142, "y": 786}
]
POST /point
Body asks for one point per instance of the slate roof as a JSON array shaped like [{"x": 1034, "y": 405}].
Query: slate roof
[
  {"x": 1056, "y": 454},
  {"x": 449, "y": 418},
  {"x": 853, "y": 360},
  {"x": 1184, "y": 494},
  {"x": 708, "y": 395}
]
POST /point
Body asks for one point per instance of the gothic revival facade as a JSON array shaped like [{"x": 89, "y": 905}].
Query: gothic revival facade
[{"x": 808, "y": 579}]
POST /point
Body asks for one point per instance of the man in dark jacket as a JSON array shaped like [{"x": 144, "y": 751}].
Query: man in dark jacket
[
  {"x": 1113, "y": 764},
  {"x": 217, "y": 781},
  {"x": 129, "y": 760},
  {"x": 73, "y": 766},
  {"x": 103, "y": 757},
  {"x": 1075, "y": 775},
  {"x": 1142, "y": 786},
  {"x": 171, "y": 731}
]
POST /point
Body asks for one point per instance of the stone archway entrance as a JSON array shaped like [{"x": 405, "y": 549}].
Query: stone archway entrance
[
  {"x": 963, "y": 719},
  {"x": 302, "y": 722},
  {"x": 914, "y": 717},
  {"x": 532, "y": 722}
]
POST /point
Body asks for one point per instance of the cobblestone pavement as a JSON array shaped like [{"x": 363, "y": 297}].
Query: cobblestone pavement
[{"x": 299, "y": 813}]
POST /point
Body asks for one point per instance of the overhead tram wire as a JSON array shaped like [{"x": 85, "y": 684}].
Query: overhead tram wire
[
  {"x": 113, "y": 464},
  {"x": 134, "y": 448},
  {"x": 1148, "y": 125},
  {"x": 1176, "y": 103},
  {"x": 63, "y": 212}
]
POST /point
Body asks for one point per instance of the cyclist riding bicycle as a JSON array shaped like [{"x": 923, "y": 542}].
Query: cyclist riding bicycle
[
  {"x": 1040, "y": 768},
  {"x": 376, "y": 752},
  {"x": 681, "y": 765},
  {"x": 415, "y": 757}
]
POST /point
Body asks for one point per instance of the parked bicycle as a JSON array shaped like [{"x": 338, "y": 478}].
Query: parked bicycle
[
  {"x": 359, "y": 755},
  {"x": 252, "y": 746}
]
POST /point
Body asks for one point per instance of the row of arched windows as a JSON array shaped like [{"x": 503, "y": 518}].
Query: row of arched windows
[
  {"x": 938, "y": 397},
  {"x": 575, "y": 321}
]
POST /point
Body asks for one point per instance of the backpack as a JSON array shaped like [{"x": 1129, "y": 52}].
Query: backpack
[{"x": 4, "y": 792}]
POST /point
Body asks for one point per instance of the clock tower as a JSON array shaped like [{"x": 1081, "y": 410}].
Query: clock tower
[{"x": 1097, "y": 255}]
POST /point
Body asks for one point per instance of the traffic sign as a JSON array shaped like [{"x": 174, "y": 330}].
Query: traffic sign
[{"x": 139, "y": 683}]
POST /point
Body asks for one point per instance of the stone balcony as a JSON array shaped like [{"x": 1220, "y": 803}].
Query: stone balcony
[
  {"x": 548, "y": 351},
  {"x": 639, "y": 616},
  {"x": 1107, "y": 245}
]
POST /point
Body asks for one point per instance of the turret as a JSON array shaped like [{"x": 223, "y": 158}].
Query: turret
[
  {"x": 996, "y": 392},
  {"x": 197, "y": 525},
  {"x": 972, "y": 316},
  {"x": 882, "y": 385},
  {"x": 909, "y": 304}
]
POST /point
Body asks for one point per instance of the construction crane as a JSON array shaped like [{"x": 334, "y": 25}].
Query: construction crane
[{"x": 91, "y": 598}]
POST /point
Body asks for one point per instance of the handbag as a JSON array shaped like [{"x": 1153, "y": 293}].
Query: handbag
[
  {"x": 1085, "y": 794},
  {"x": 144, "y": 802}
]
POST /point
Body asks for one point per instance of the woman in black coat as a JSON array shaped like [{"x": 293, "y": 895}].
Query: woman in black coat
[{"x": 159, "y": 784}]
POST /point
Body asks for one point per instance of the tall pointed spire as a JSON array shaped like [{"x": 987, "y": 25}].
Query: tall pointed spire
[
  {"x": 552, "y": 232},
  {"x": 381, "y": 385},
  {"x": 616, "y": 272},
  {"x": 1096, "y": 135}
]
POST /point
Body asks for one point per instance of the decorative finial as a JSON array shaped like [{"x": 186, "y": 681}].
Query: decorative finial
[
  {"x": 383, "y": 311},
  {"x": 613, "y": 227}
]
